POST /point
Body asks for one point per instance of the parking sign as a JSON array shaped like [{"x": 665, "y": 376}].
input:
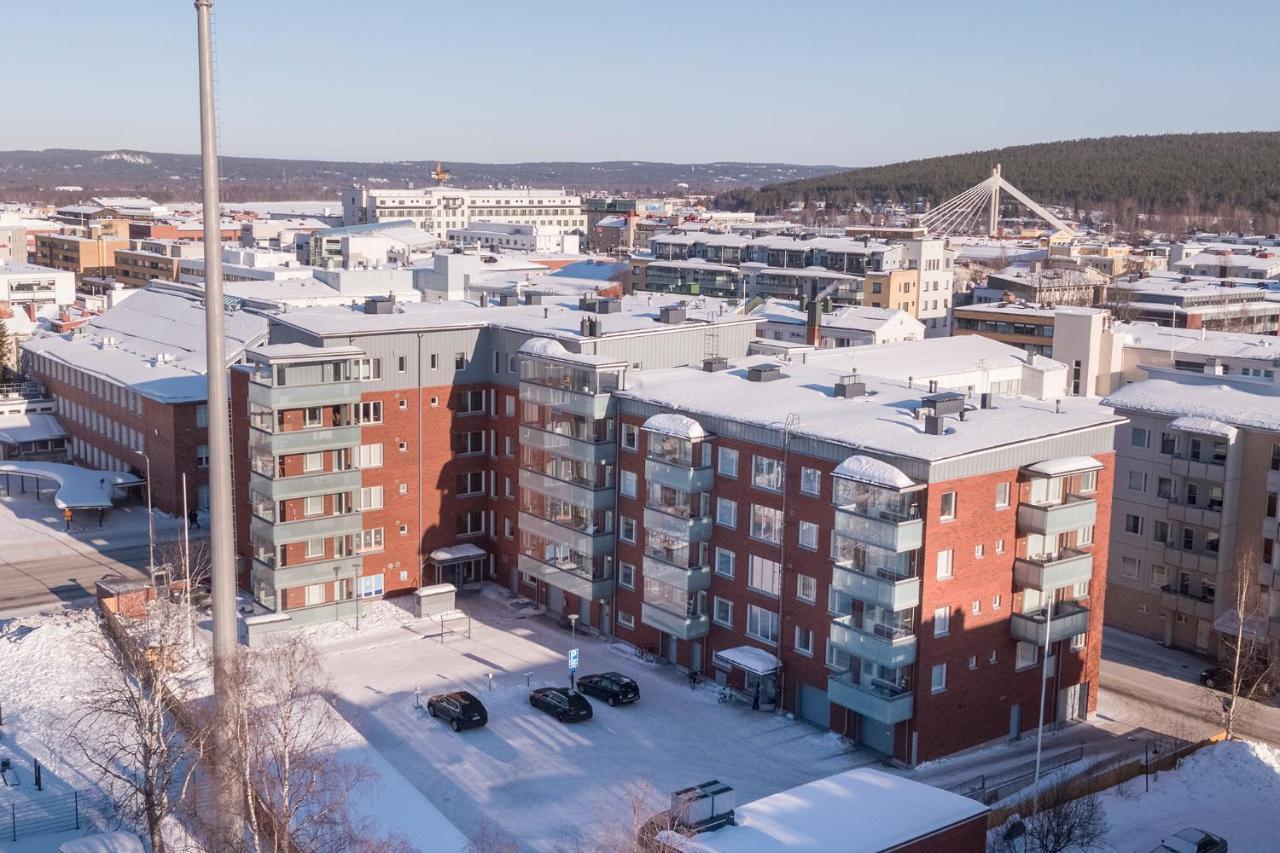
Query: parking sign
[{"x": 573, "y": 660}]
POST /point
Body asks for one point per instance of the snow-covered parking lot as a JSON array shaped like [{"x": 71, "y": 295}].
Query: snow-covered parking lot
[{"x": 546, "y": 784}]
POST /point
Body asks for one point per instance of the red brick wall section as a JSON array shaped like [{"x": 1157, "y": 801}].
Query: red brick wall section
[{"x": 967, "y": 837}]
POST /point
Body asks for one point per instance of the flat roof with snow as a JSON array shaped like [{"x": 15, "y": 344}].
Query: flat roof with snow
[{"x": 1212, "y": 398}]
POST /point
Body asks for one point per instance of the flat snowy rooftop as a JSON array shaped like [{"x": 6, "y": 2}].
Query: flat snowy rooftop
[
  {"x": 1251, "y": 405},
  {"x": 1200, "y": 342}
]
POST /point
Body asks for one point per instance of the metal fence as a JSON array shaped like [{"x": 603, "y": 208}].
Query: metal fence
[
  {"x": 41, "y": 814},
  {"x": 978, "y": 787}
]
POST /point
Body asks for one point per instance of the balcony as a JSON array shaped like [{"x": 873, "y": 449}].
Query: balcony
[
  {"x": 301, "y": 396},
  {"x": 1069, "y": 619},
  {"x": 696, "y": 529},
  {"x": 688, "y": 580},
  {"x": 322, "y": 527},
  {"x": 585, "y": 403},
  {"x": 882, "y": 644},
  {"x": 679, "y": 476},
  {"x": 584, "y": 543},
  {"x": 1050, "y": 520},
  {"x": 568, "y": 446},
  {"x": 678, "y": 625},
  {"x": 880, "y": 587},
  {"x": 302, "y": 574},
  {"x": 1204, "y": 516},
  {"x": 302, "y": 485},
  {"x": 309, "y": 440},
  {"x": 566, "y": 491},
  {"x": 1187, "y": 468},
  {"x": 889, "y": 530},
  {"x": 1175, "y": 601},
  {"x": 1053, "y": 571},
  {"x": 568, "y": 577},
  {"x": 876, "y": 701}
]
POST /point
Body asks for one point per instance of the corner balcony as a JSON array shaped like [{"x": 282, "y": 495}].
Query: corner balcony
[
  {"x": 584, "y": 403},
  {"x": 878, "y": 587},
  {"x": 875, "y": 701},
  {"x": 1205, "y": 516},
  {"x": 882, "y": 644},
  {"x": 311, "y": 440},
  {"x": 1184, "y": 602},
  {"x": 302, "y": 396},
  {"x": 1053, "y": 571},
  {"x": 679, "y": 476},
  {"x": 593, "y": 545},
  {"x": 695, "y": 529},
  {"x": 884, "y": 530},
  {"x": 574, "y": 493},
  {"x": 303, "y": 574},
  {"x": 567, "y": 576},
  {"x": 322, "y": 527},
  {"x": 568, "y": 446},
  {"x": 689, "y": 580},
  {"x": 302, "y": 485},
  {"x": 1050, "y": 520},
  {"x": 1069, "y": 619},
  {"x": 676, "y": 624}
]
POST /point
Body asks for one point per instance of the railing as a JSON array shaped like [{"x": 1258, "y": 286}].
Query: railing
[
  {"x": 977, "y": 787},
  {"x": 43, "y": 813}
]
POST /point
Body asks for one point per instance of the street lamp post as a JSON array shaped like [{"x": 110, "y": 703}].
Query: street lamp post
[
  {"x": 573, "y": 639},
  {"x": 151, "y": 520}
]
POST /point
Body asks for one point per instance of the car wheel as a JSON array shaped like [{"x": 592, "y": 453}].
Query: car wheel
[
  {"x": 431, "y": 709},
  {"x": 454, "y": 725},
  {"x": 1208, "y": 682},
  {"x": 611, "y": 701}
]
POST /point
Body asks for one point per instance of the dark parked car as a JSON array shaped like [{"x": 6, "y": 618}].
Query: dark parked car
[
  {"x": 1192, "y": 841},
  {"x": 613, "y": 687},
  {"x": 562, "y": 703},
  {"x": 461, "y": 710},
  {"x": 1219, "y": 678}
]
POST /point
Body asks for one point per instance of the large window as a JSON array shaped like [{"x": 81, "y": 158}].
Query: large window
[
  {"x": 809, "y": 535},
  {"x": 944, "y": 564},
  {"x": 764, "y": 575},
  {"x": 627, "y": 483},
  {"x": 722, "y": 612},
  {"x": 369, "y": 540},
  {"x": 727, "y": 464},
  {"x": 766, "y": 523},
  {"x": 810, "y": 481},
  {"x": 762, "y": 624},
  {"x": 371, "y": 586},
  {"x": 369, "y": 456},
  {"x": 726, "y": 512},
  {"x": 724, "y": 562},
  {"x": 766, "y": 473}
]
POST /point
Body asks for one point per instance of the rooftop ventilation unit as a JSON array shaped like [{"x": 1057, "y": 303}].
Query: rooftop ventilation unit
[
  {"x": 609, "y": 306},
  {"x": 764, "y": 373},
  {"x": 850, "y": 387},
  {"x": 715, "y": 363},
  {"x": 705, "y": 807},
  {"x": 379, "y": 305},
  {"x": 533, "y": 299},
  {"x": 586, "y": 303},
  {"x": 506, "y": 300},
  {"x": 934, "y": 425},
  {"x": 672, "y": 315},
  {"x": 589, "y": 327}
]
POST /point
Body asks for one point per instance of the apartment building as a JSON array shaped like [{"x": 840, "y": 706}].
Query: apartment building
[
  {"x": 129, "y": 386},
  {"x": 1238, "y": 305},
  {"x": 897, "y": 290},
  {"x": 437, "y": 209},
  {"x": 1258, "y": 263},
  {"x": 932, "y": 260},
  {"x": 872, "y": 553},
  {"x": 844, "y": 326},
  {"x": 1047, "y": 287},
  {"x": 1194, "y": 515},
  {"x": 147, "y": 260},
  {"x": 24, "y": 284},
  {"x": 92, "y": 254},
  {"x": 514, "y": 237}
]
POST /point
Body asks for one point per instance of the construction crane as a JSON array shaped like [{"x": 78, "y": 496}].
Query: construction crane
[{"x": 440, "y": 174}]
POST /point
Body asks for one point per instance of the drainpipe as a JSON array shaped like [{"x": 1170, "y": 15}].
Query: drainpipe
[
  {"x": 787, "y": 426},
  {"x": 421, "y": 538}
]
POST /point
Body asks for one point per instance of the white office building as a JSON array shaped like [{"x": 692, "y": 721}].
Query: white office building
[{"x": 439, "y": 209}]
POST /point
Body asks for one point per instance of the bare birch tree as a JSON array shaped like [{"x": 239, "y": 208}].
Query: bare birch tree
[{"x": 1246, "y": 652}]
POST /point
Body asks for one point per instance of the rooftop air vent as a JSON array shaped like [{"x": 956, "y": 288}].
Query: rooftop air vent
[
  {"x": 672, "y": 315},
  {"x": 850, "y": 387},
  {"x": 379, "y": 305},
  {"x": 586, "y": 303},
  {"x": 609, "y": 306},
  {"x": 715, "y": 363},
  {"x": 508, "y": 299},
  {"x": 764, "y": 373},
  {"x": 533, "y": 299}
]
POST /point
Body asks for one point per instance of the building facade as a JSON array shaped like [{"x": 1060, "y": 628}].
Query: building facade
[{"x": 438, "y": 209}]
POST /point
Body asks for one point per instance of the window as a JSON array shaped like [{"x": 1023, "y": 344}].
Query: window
[
  {"x": 762, "y": 624},
  {"x": 313, "y": 505},
  {"x": 995, "y": 602},
  {"x": 942, "y": 622},
  {"x": 992, "y": 658},
  {"x": 948, "y": 511},
  {"x": 944, "y": 565},
  {"x": 1160, "y": 531},
  {"x": 370, "y": 498},
  {"x": 202, "y": 456},
  {"x": 470, "y": 483},
  {"x": 804, "y": 641},
  {"x": 726, "y": 512},
  {"x": 1133, "y": 523},
  {"x": 1129, "y": 567},
  {"x": 312, "y": 416},
  {"x": 979, "y": 551},
  {"x": 975, "y": 607},
  {"x": 1188, "y": 539},
  {"x": 764, "y": 575},
  {"x": 1002, "y": 495},
  {"x": 1159, "y": 575},
  {"x": 724, "y": 562},
  {"x": 628, "y": 532},
  {"x": 809, "y": 535},
  {"x": 837, "y": 658},
  {"x": 810, "y": 481},
  {"x": 938, "y": 681},
  {"x": 314, "y": 594},
  {"x": 1164, "y": 488},
  {"x": 807, "y": 588},
  {"x": 366, "y": 369},
  {"x": 460, "y": 361},
  {"x": 313, "y": 462},
  {"x": 202, "y": 415},
  {"x": 368, "y": 540},
  {"x": 315, "y": 548},
  {"x": 766, "y": 523},
  {"x": 470, "y": 523},
  {"x": 402, "y": 364},
  {"x": 630, "y": 437},
  {"x": 1275, "y": 457},
  {"x": 1024, "y": 656},
  {"x": 471, "y": 403},
  {"x": 369, "y": 456},
  {"x": 626, "y": 576},
  {"x": 1168, "y": 443},
  {"x": 766, "y": 473},
  {"x": 727, "y": 462},
  {"x": 1084, "y": 536},
  {"x": 468, "y": 443},
  {"x": 973, "y": 661},
  {"x": 371, "y": 585},
  {"x": 626, "y": 620},
  {"x": 1140, "y": 437},
  {"x": 722, "y": 612},
  {"x": 368, "y": 413},
  {"x": 404, "y": 405},
  {"x": 1077, "y": 642},
  {"x": 1137, "y": 481},
  {"x": 627, "y": 484},
  {"x": 999, "y": 546}
]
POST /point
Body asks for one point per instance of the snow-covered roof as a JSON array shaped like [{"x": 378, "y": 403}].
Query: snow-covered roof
[
  {"x": 16, "y": 429},
  {"x": 1064, "y": 466},
  {"x": 456, "y": 552},
  {"x": 77, "y": 487},
  {"x": 874, "y": 472},
  {"x": 1203, "y": 426},
  {"x": 750, "y": 658},
  {"x": 862, "y": 318},
  {"x": 103, "y": 842},
  {"x": 1243, "y": 404},
  {"x": 1199, "y": 341},
  {"x": 858, "y": 811},
  {"x": 678, "y": 426},
  {"x": 544, "y": 347}
]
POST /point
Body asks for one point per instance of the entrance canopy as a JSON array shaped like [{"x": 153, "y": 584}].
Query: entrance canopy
[
  {"x": 78, "y": 488},
  {"x": 455, "y": 554},
  {"x": 747, "y": 658}
]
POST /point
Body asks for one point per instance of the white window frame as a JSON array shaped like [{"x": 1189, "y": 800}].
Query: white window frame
[{"x": 727, "y": 462}]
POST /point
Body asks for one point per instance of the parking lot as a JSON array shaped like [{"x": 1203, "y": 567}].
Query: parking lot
[{"x": 545, "y": 784}]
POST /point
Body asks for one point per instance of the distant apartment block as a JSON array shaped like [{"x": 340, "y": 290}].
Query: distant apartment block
[
  {"x": 91, "y": 254},
  {"x": 438, "y": 209},
  {"x": 147, "y": 260}
]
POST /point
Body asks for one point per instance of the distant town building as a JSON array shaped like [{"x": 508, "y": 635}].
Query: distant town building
[{"x": 437, "y": 209}]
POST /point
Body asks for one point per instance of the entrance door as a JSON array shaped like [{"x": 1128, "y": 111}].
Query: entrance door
[
  {"x": 606, "y": 620},
  {"x": 584, "y": 612},
  {"x": 555, "y": 599},
  {"x": 695, "y": 656},
  {"x": 1015, "y": 722},
  {"x": 1069, "y": 703},
  {"x": 1203, "y": 628},
  {"x": 813, "y": 706},
  {"x": 672, "y": 646},
  {"x": 877, "y": 736}
]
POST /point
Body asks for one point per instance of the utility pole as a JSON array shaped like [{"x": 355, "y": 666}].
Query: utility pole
[
  {"x": 993, "y": 217},
  {"x": 226, "y": 775}
]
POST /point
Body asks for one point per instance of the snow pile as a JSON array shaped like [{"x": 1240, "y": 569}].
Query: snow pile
[{"x": 375, "y": 615}]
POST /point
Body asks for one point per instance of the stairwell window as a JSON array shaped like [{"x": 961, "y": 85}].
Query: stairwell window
[
  {"x": 944, "y": 565},
  {"x": 1002, "y": 495},
  {"x": 948, "y": 510},
  {"x": 762, "y": 624},
  {"x": 942, "y": 622},
  {"x": 938, "y": 679},
  {"x": 202, "y": 456},
  {"x": 804, "y": 641}
]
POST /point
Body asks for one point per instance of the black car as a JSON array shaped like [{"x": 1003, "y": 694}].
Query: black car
[
  {"x": 1254, "y": 679},
  {"x": 562, "y": 703},
  {"x": 461, "y": 710},
  {"x": 613, "y": 687}
]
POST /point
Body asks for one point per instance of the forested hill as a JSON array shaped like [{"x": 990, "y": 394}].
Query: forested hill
[{"x": 1185, "y": 172}]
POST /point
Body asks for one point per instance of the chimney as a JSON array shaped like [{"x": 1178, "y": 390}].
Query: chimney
[
  {"x": 933, "y": 425},
  {"x": 984, "y": 400}
]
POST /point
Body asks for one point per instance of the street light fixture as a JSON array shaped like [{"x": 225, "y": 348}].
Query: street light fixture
[{"x": 151, "y": 520}]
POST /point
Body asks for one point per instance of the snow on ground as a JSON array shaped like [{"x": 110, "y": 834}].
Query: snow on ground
[{"x": 536, "y": 780}]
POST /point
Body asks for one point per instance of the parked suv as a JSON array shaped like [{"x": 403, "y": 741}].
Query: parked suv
[
  {"x": 613, "y": 687},
  {"x": 562, "y": 703},
  {"x": 460, "y": 710}
]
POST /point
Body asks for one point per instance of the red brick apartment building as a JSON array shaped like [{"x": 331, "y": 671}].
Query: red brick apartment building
[{"x": 874, "y": 555}]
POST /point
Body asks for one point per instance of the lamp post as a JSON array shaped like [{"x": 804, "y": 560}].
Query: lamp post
[
  {"x": 1148, "y": 749},
  {"x": 151, "y": 520},
  {"x": 573, "y": 639}
]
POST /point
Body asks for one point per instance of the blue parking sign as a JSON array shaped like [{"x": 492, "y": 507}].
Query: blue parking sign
[{"x": 573, "y": 660}]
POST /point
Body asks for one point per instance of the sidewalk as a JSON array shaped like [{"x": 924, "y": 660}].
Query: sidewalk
[{"x": 33, "y": 529}]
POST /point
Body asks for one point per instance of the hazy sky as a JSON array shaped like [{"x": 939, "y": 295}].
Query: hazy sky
[{"x": 850, "y": 83}]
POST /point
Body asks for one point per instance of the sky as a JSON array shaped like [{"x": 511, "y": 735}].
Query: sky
[{"x": 844, "y": 82}]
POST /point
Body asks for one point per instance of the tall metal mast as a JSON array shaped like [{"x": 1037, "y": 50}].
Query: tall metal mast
[{"x": 225, "y": 773}]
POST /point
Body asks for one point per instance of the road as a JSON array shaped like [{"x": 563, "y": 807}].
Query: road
[
  {"x": 32, "y": 585},
  {"x": 1147, "y": 685}
]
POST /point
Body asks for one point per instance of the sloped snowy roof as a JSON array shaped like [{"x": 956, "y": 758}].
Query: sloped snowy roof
[
  {"x": 456, "y": 552},
  {"x": 15, "y": 429},
  {"x": 678, "y": 426},
  {"x": 1204, "y": 426},
  {"x": 1064, "y": 466},
  {"x": 749, "y": 658},
  {"x": 544, "y": 347},
  {"x": 864, "y": 469}
]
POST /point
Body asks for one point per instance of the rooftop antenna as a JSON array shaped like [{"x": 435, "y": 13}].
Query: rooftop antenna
[{"x": 225, "y": 641}]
